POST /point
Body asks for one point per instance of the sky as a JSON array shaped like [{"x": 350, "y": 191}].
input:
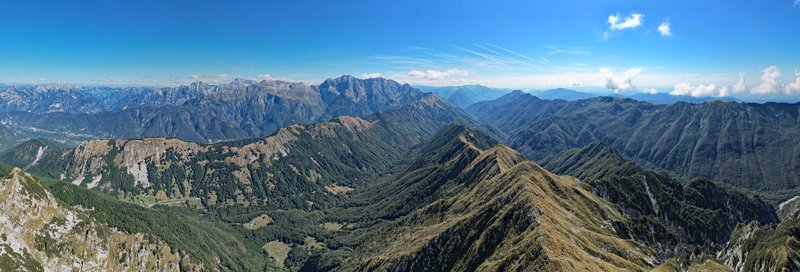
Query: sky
[{"x": 699, "y": 48}]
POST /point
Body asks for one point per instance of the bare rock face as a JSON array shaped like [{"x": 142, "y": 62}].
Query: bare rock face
[{"x": 39, "y": 233}]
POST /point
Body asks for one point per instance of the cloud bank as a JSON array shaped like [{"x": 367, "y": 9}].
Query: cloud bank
[
  {"x": 619, "y": 82},
  {"x": 769, "y": 85}
]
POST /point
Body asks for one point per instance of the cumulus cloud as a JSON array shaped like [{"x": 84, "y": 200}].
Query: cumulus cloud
[
  {"x": 769, "y": 81},
  {"x": 264, "y": 76},
  {"x": 435, "y": 74},
  {"x": 665, "y": 29},
  {"x": 215, "y": 78},
  {"x": 371, "y": 75},
  {"x": 739, "y": 87},
  {"x": 617, "y": 22},
  {"x": 619, "y": 82},
  {"x": 769, "y": 84},
  {"x": 700, "y": 90},
  {"x": 793, "y": 88}
]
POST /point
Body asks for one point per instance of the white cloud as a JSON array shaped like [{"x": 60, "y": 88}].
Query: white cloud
[
  {"x": 769, "y": 81},
  {"x": 665, "y": 28},
  {"x": 700, "y": 90},
  {"x": 617, "y": 22},
  {"x": 619, "y": 82},
  {"x": 652, "y": 91},
  {"x": 264, "y": 76},
  {"x": 793, "y": 88},
  {"x": 739, "y": 87},
  {"x": 431, "y": 77},
  {"x": 436, "y": 75},
  {"x": 371, "y": 75},
  {"x": 769, "y": 85},
  {"x": 555, "y": 50},
  {"x": 214, "y": 78}
]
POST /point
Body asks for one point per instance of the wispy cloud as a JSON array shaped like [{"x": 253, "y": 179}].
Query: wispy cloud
[
  {"x": 212, "y": 78},
  {"x": 371, "y": 75},
  {"x": 398, "y": 59},
  {"x": 436, "y": 75},
  {"x": 555, "y": 50},
  {"x": 540, "y": 60}
]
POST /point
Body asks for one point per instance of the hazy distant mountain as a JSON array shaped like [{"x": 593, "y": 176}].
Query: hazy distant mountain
[
  {"x": 745, "y": 144},
  {"x": 202, "y": 112},
  {"x": 466, "y": 95},
  {"x": 49, "y": 98},
  {"x": 563, "y": 94},
  {"x": 664, "y": 98}
]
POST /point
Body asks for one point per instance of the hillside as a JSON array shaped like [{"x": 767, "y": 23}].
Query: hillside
[
  {"x": 40, "y": 233},
  {"x": 669, "y": 215},
  {"x": 742, "y": 144},
  {"x": 492, "y": 211},
  {"x": 453, "y": 199},
  {"x": 301, "y": 166}
]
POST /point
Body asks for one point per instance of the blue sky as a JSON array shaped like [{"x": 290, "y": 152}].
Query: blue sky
[{"x": 709, "y": 48}]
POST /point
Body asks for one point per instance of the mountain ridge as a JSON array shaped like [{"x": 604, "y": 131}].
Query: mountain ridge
[{"x": 742, "y": 144}]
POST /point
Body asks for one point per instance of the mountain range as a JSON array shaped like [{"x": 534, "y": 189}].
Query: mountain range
[
  {"x": 747, "y": 145},
  {"x": 199, "y": 112},
  {"x": 381, "y": 176}
]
